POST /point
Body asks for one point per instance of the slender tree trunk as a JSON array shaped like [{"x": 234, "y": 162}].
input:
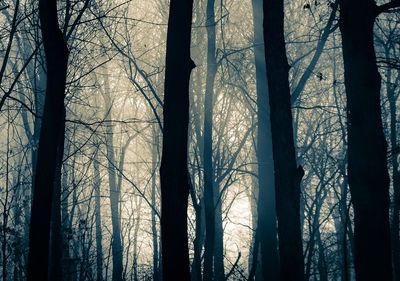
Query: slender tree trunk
[
  {"x": 367, "y": 160},
  {"x": 135, "y": 241},
  {"x": 208, "y": 144},
  {"x": 99, "y": 235},
  {"x": 116, "y": 242},
  {"x": 266, "y": 197},
  {"x": 52, "y": 126},
  {"x": 287, "y": 175},
  {"x": 174, "y": 171}
]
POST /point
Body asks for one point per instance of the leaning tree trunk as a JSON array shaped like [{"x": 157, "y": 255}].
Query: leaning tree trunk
[
  {"x": 174, "y": 171},
  {"x": 267, "y": 231},
  {"x": 287, "y": 175},
  {"x": 53, "y": 120},
  {"x": 208, "y": 145},
  {"x": 367, "y": 164}
]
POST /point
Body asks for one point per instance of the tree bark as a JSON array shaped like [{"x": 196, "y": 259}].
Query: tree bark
[
  {"x": 367, "y": 161},
  {"x": 174, "y": 171},
  {"x": 287, "y": 175},
  {"x": 267, "y": 225},
  {"x": 56, "y": 52}
]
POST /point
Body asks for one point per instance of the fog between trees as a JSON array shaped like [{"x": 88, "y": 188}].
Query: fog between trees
[{"x": 199, "y": 140}]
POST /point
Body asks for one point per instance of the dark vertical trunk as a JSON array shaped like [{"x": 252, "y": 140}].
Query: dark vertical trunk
[
  {"x": 287, "y": 175},
  {"x": 208, "y": 144},
  {"x": 99, "y": 236},
  {"x": 174, "y": 171},
  {"x": 266, "y": 196},
  {"x": 367, "y": 164},
  {"x": 52, "y": 126}
]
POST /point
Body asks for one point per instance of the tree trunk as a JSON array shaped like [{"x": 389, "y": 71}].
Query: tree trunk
[
  {"x": 266, "y": 196},
  {"x": 367, "y": 164},
  {"x": 99, "y": 236},
  {"x": 287, "y": 175},
  {"x": 208, "y": 144},
  {"x": 174, "y": 171},
  {"x": 52, "y": 128},
  {"x": 116, "y": 243}
]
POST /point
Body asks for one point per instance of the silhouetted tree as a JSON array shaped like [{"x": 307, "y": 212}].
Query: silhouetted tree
[
  {"x": 52, "y": 129},
  {"x": 266, "y": 224},
  {"x": 287, "y": 175},
  {"x": 174, "y": 171},
  {"x": 367, "y": 159}
]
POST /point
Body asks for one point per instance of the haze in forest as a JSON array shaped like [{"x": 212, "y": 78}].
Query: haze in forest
[{"x": 199, "y": 140}]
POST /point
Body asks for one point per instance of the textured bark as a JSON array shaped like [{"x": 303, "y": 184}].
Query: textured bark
[
  {"x": 52, "y": 126},
  {"x": 367, "y": 161},
  {"x": 208, "y": 145},
  {"x": 174, "y": 171},
  {"x": 266, "y": 208},
  {"x": 287, "y": 175}
]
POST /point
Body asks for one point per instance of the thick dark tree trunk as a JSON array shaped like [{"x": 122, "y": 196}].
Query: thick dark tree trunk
[
  {"x": 267, "y": 231},
  {"x": 208, "y": 145},
  {"x": 287, "y": 174},
  {"x": 367, "y": 160},
  {"x": 174, "y": 171},
  {"x": 53, "y": 121}
]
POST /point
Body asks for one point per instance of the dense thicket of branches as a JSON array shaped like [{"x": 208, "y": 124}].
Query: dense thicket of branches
[{"x": 199, "y": 140}]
